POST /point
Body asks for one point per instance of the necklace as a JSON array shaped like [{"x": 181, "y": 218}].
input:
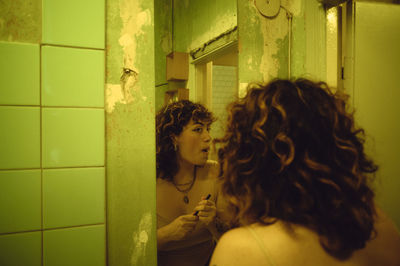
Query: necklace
[{"x": 185, "y": 191}]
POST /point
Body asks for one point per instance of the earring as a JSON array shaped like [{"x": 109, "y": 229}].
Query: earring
[{"x": 175, "y": 147}]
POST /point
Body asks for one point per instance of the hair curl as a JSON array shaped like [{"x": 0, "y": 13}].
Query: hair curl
[
  {"x": 170, "y": 121},
  {"x": 291, "y": 152}
]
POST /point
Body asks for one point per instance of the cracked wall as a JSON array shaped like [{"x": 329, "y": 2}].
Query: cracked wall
[{"x": 130, "y": 133}]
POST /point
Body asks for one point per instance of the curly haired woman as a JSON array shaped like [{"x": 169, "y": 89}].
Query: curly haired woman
[
  {"x": 296, "y": 173},
  {"x": 187, "y": 193}
]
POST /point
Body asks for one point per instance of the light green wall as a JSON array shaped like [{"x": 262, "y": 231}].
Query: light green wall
[
  {"x": 52, "y": 136},
  {"x": 264, "y": 42},
  {"x": 130, "y": 133},
  {"x": 198, "y": 21},
  {"x": 251, "y": 42},
  {"x": 308, "y": 41},
  {"x": 194, "y": 23},
  {"x": 162, "y": 46},
  {"x": 376, "y": 94}
]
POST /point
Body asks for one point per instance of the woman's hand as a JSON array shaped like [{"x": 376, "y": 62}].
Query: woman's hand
[
  {"x": 181, "y": 227},
  {"x": 206, "y": 212}
]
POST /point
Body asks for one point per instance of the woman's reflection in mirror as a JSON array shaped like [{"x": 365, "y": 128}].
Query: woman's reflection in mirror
[
  {"x": 187, "y": 190},
  {"x": 295, "y": 171}
]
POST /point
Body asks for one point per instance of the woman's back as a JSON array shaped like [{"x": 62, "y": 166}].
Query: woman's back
[
  {"x": 293, "y": 152},
  {"x": 280, "y": 245}
]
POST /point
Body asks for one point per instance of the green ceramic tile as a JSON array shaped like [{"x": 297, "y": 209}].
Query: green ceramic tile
[
  {"x": 19, "y": 68},
  {"x": 74, "y": 22},
  {"x": 21, "y": 249},
  {"x": 20, "y": 201},
  {"x": 79, "y": 246},
  {"x": 72, "y": 77},
  {"x": 72, "y": 137},
  {"x": 73, "y": 196},
  {"x": 19, "y": 137}
]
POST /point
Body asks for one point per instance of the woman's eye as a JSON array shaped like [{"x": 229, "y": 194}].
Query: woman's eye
[{"x": 198, "y": 129}]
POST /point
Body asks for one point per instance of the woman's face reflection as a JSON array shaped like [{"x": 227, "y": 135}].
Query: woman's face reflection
[{"x": 193, "y": 143}]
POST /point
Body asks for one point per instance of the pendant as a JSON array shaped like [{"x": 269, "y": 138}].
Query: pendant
[{"x": 186, "y": 199}]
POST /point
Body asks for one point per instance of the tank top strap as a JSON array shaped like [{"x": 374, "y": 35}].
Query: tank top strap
[{"x": 263, "y": 248}]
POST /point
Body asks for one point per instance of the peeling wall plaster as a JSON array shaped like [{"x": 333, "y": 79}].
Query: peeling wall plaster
[
  {"x": 275, "y": 33},
  {"x": 272, "y": 30},
  {"x": 133, "y": 19},
  {"x": 140, "y": 238},
  {"x": 264, "y": 42}
]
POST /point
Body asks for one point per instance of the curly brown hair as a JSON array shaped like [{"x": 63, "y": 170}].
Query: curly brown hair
[
  {"x": 291, "y": 152},
  {"x": 170, "y": 121}
]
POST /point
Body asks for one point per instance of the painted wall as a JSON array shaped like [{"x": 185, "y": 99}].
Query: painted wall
[
  {"x": 163, "y": 46},
  {"x": 264, "y": 42},
  {"x": 376, "y": 94},
  {"x": 194, "y": 23},
  {"x": 52, "y": 138},
  {"x": 130, "y": 133}
]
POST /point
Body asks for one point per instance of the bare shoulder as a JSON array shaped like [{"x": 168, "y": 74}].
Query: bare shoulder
[
  {"x": 386, "y": 229},
  {"x": 387, "y": 239},
  {"x": 241, "y": 247},
  {"x": 233, "y": 248}
]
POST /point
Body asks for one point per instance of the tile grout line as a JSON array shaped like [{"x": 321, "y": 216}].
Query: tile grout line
[
  {"x": 55, "y": 107},
  {"x": 72, "y": 46},
  {"x": 106, "y": 258},
  {"x": 51, "y": 229},
  {"x": 41, "y": 155},
  {"x": 51, "y": 168}
]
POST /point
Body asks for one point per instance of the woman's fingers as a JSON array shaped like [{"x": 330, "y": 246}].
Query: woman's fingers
[
  {"x": 206, "y": 202},
  {"x": 202, "y": 208},
  {"x": 190, "y": 217},
  {"x": 207, "y": 211}
]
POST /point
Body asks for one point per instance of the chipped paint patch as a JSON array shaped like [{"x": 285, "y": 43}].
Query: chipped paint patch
[
  {"x": 113, "y": 95},
  {"x": 250, "y": 63},
  {"x": 272, "y": 30},
  {"x": 242, "y": 89},
  {"x": 133, "y": 20},
  {"x": 140, "y": 238}
]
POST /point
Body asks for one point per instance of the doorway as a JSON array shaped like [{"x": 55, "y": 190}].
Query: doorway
[{"x": 216, "y": 86}]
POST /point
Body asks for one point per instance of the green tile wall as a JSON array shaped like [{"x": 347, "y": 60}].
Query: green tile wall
[
  {"x": 23, "y": 249},
  {"x": 72, "y": 137},
  {"x": 20, "y": 200},
  {"x": 19, "y": 137},
  {"x": 72, "y": 77},
  {"x": 19, "y": 79},
  {"x": 73, "y": 197},
  {"x": 74, "y": 23},
  {"x": 81, "y": 246},
  {"x": 52, "y": 150}
]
